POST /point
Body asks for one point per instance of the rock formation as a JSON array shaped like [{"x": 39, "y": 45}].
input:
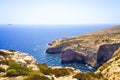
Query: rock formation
[
  {"x": 105, "y": 52},
  {"x": 19, "y": 57},
  {"x": 70, "y": 56},
  {"x": 111, "y": 69}
]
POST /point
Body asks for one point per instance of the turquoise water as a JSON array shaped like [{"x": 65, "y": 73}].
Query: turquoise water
[{"x": 33, "y": 39}]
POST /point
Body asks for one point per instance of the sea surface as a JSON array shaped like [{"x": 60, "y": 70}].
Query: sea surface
[{"x": 33, "y": 39}]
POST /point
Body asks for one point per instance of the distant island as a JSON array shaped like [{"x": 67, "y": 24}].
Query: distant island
[{"x": 99, "y": 49}]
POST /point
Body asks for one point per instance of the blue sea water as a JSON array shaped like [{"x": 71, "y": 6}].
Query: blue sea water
[{"x": 33, "y": 39}]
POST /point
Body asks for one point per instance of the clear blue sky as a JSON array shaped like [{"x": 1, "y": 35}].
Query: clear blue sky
[{"x": 60, "y": 11}]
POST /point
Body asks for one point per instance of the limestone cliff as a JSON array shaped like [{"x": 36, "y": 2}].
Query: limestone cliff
[
  {"x": 111, "y": 69},
  {"x": 90, "y": 45},
  {"x": 105, "y": 52}
]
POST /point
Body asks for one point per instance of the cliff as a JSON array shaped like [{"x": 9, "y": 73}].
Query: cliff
[
  {"x": 106, "y": 52},
  {"x": 89, "y": 46},
  {"x": 111, "y": 69}
]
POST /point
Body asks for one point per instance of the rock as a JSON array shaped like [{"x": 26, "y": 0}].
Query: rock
[
  {"x": 2, "y": 58},
  {"x": 29, "y": 60},
  {"x": 21, "y": 61},
  {"x": 21, "y": 58},
  {"x": 91, "y": 59},
  {"x": 4, "y": 66},
  {"x": 105, "y": 52},
  {"x": 69, "y": 55},
  {"x": 34, "y": 67},
  {"x": 53, "y": 50}
]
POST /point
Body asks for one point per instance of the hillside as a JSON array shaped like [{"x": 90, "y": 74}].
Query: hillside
[{"x": 111, "y": 30}]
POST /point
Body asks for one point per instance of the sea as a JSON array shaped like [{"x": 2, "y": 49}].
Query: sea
[{"x": 34, "y": 39}]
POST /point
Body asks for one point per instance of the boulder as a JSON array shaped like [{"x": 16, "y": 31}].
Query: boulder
[
  {"x": 4, "y": 66},
  {"x": 21, "y": 61}
]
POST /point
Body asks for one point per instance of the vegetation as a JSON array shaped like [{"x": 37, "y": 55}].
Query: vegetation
[
  {"x": 2, "y": 70},
  {"x": 37, "y": 77},
  {"x": 105, "y": 65},
  {"x": 45, "y": 69},
  {"x": 16, "y": 69},
  {"x": 60, "y": 72},
  {"x": 89, "y": 76},
  {"x": 57, "y": 72},
  {"x": 21, "y": 70},
  {"x": 12, "y": 72}
]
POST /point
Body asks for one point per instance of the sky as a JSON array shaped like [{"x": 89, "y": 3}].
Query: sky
[{"x": 59, "y": 12}]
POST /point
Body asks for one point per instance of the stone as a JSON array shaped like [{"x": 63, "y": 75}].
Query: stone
[{"x": 2, "y": 58}]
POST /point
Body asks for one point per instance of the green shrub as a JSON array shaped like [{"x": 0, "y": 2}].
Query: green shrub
[
  {"x": 89, "y": 76},
  {"x": 22, "y": 70},
  {"x": 45, "y": 69},
  {"x": 2, "y": 70},
  {"x": 60, "y": 72},
  {"x": 81, "y": 76},
  {"x": 4, "y": 62},
  {"x": 36, "y": 77},
  {"x": 12, "y": 72}
]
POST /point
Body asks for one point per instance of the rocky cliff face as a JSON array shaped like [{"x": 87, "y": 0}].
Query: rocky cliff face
[
  {"x": 111, "y": 69},
  {"x": 105, "y": 52},
  {"x": 95, "y": 48},
  {"x": 69, "y": 55}
]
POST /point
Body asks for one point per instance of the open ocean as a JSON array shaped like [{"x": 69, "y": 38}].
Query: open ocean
[{"x": 33, "y": 39}]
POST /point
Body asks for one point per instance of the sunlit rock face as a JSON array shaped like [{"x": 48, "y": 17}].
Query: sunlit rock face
[{"x": 21, "y": 58}]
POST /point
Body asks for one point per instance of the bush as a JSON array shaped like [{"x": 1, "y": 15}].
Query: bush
[
  {"x": 89, "y": 76},
  {"x": 22, "y": 70},
  {"x": 4, "y": 62},
  {"x": 16, "y": 68},
  {"x": 12, "y": 72},
  {"x": 2, "y": 70},
  {"x": 81, "y": 76},
  {"x": 36, "y": 77},
  {"x": 57, "y": 72},
  {"x": 60, "y": 72},
  {"x": 45, "y": 69}
]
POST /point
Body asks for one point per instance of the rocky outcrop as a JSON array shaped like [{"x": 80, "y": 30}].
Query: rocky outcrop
[
  {"x": 69, "y": 55},
  {"x": 105, "y": 52},
  {"x": 54, "y": 50},
  {"x": 21, "y": 58}
]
